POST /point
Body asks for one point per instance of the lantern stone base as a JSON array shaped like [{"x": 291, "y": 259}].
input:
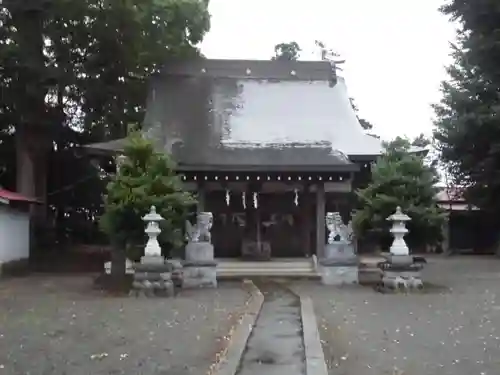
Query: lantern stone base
[
  {"x": 152, "y": 259},
  {"x": 399, "y": 259},
  {"x": 152, "y": 278},
  {"x": 339, "y": 272},
  {"x": 177, "y": 272},
  {"x": 199, "y": 274},
  {"x": 400, "y": 274}
]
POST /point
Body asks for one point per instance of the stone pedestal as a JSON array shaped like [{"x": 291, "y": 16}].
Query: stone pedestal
[
  {"x": 199, "y": 274},
  {"x": 177, "y": 272},
  {"x": 334, "y": 272},
  {"x": 340, "y": 265},
  {"x": 199, "y": 268},
  {"x": 152, "y": 260},
  {"x": 399, "y": 260},
  {"x": 340, "y": 250},
  {"x": 153, "y": 278},
  {"x": 400, "y": 274},
  {"x": 199, "y": 252}
]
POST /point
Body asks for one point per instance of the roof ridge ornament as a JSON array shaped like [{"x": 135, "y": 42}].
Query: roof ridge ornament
[{"x": 328, "y": 54}]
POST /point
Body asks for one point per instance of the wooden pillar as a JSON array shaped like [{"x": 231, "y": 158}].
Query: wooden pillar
[
  {"x": 252, "y": 213},
  {"x": 201, "y": 192},
  {"x": 256, "y": 188},
  {"x": 305, "y": 213},
  {"x": 320, "y": 220}
]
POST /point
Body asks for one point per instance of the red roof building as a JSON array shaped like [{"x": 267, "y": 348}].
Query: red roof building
[{"x": 7, "y": 196}]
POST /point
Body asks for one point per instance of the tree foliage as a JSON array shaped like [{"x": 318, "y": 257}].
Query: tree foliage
[
  {"x": 400, "y": 179},
  {"x": 76, "y": 71},
  {"x": 289, "y": 51},
  {"x": 421, "y": 140},
  {"x": 145, "y": 178},
  {"x": 467, "y": 129},
  {"x": 365, "y": 124}
]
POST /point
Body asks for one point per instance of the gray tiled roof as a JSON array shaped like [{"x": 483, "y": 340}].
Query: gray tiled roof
[{"x": 259, "y": 114}]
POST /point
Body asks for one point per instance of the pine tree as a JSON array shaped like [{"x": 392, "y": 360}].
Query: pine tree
[
  {"x": 144, "y": 178},
  {"x": 400, "y": 179},
  {"x": 467, "y": 129}
]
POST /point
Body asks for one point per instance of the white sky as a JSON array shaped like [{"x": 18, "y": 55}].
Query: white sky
[{"x": 395, "y": 50}]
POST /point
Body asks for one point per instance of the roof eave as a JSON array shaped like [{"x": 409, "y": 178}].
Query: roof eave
[
  {"x": 109, "y": 148},
  {"x": 251, "y": 69},
  {"x": 333, "y": 168}
]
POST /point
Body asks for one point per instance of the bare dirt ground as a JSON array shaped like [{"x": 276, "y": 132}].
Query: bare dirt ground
[
  {"x": 58, "y": 325},
  {"x": 443, "y": 332}
]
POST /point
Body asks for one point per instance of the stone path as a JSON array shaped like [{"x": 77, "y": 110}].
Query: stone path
[{"x": 275, "y": 346}]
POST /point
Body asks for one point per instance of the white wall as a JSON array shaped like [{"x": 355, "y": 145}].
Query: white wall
[{"x": 14, "y": 234}]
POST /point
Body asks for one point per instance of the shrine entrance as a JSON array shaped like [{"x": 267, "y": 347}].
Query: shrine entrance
[
  {"x": 275, "y": 223},
  {"x": 259, "y": 216},
  {"x": 278, "y": 220}
]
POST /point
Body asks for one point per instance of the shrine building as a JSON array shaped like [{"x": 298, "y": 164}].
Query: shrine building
[{"x": 268, "y": 146}]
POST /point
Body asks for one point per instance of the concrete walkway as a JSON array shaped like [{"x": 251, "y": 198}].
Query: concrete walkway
[
  {"x": 278, "y": 335},
  {"x": 275, "y": 346}
]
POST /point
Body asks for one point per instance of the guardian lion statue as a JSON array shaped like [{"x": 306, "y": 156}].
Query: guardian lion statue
[{"x": 200, "y": 232}]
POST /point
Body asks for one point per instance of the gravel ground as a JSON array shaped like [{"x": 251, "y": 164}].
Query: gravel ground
[
  {"x": 455, "y": 332},
  {"x": 59, "y": 325}
]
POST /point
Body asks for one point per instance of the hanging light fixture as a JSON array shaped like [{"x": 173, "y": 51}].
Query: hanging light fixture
[
  {"x": 228, "y": 197},
  {"x": 296, "y": 200},
  {"x": 244, "y": 200},
  {"x": 255, "y": 200}
]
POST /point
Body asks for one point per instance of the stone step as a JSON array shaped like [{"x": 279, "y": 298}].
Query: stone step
[
  {"x": 267, "y": 269},
  {"x": 237, "y": 276},
  {"x": 291, "y": 272},
  {"x": 264, "y": 265}
]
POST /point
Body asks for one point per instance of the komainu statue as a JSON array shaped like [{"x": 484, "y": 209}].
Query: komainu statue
[{"x": 200, "y": 232}]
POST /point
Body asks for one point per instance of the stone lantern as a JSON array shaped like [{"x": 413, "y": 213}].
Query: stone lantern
[
  {"x": 400, "y": 272},
  {"x": 153, "y": 230},
  {"x": 152, "y": 276},
  {"x": 399, "y": 230}
]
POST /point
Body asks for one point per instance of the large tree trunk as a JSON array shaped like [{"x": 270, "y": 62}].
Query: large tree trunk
[
  {"x": 32, "y": 149},
  {"x": 32, "y": 141},
  {"x": 118, "y": 258},
  {"x": 118, "y": 267}
]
